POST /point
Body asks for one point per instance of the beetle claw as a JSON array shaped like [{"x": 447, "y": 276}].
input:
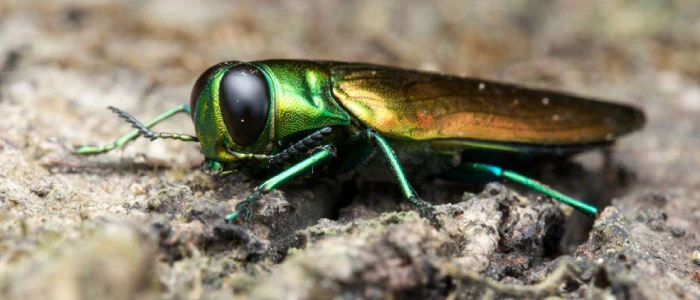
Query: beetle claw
[
  {"x": 243, "y": 208},
  {"x": 232, "y": 216},
  {"x": 242, "y": 213},
  {"x": 426, "y": 211}
]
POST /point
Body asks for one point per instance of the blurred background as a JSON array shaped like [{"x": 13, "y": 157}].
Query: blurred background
[
  {"x": 62, "y": 62},
  {"x": 567, "y": 41}
]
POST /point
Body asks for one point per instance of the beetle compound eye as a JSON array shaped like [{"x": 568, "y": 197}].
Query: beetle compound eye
[
  {"x": 203, "y": 81},
  {"x": 245, "y": 103}
]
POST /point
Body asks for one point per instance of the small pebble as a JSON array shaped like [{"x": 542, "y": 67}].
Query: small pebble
[
  {"x": 677, "y": 232},
  {"x": 41, "y": 187},
  {"x": 695, "y": 257}
]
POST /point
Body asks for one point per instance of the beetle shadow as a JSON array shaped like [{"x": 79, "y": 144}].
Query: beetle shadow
[
  {"x": 594, "y": 177},
  {"x": 74, "y": 164}
]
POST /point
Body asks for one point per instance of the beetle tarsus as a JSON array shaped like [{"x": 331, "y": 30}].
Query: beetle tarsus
[
  {"x": 425, "y": 209},
  {"x": 429, "y": 214},
  {"x": 243, "y": 209}
]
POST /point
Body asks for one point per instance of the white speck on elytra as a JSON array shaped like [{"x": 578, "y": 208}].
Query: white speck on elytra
[{"x": 545, "y": 101}]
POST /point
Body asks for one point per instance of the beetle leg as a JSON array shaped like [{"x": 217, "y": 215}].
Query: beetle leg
[
  {"x": 311, "y": 141},
  {"x": 426, "y": 209},
  {"x": 244, "y": 208},
  {"x": 141, "y": 129},
  {"x": 585, "y": 208}
]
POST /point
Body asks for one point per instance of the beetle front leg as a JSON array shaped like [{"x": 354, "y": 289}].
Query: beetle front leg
[
  {"x": 244, "y": 208},
  {"x": 426, "y": 209}
]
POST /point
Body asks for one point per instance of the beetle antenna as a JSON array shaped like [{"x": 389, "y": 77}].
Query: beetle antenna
[
  {"x": 311, "y": 141},
  {"x": 144, "y": 131}
]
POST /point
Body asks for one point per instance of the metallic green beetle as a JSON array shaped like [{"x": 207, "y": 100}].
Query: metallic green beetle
[{"x": 282, "y": 118}]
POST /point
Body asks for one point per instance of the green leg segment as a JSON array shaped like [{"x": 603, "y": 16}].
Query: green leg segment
[
  {"x": 141, "y": 129},
  {"x": 583, "y": 207},
  {"x": 426, "y": 210},
  {"x": 244, "y": 208}
]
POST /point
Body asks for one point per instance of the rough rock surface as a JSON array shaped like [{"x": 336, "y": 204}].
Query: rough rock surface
[{"x": 144, "y": 222}]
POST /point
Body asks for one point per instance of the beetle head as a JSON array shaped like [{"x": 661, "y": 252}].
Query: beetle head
[{"x": 231, "y": 108}]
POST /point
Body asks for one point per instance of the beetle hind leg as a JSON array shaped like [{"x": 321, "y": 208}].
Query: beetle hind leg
[
  {"x": 490, "y": 171},
  {"x": 426, "y": 209}
]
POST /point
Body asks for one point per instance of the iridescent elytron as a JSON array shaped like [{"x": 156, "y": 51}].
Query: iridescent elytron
[{"x": 282, "y": 118}]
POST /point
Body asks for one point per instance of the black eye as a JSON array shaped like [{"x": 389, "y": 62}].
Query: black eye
[
  {"x": 202, "y": 82},
  {"x": 245, "y": 103}
]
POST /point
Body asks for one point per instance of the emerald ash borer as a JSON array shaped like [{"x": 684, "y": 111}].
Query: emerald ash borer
[{"x": 282, "y": 118}]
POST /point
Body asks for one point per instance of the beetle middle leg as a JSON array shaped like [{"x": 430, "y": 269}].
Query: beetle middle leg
[{"x": 426, "y": 209}]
